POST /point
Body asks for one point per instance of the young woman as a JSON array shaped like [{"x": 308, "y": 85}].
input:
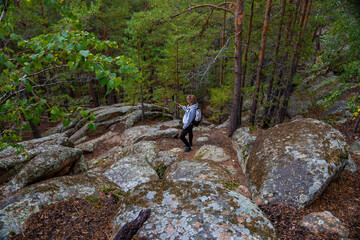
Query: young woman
[{"x": 189, "y": 116}]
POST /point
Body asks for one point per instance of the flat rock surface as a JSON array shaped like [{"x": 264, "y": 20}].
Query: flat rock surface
[
  {"x": 187, "y": 210},
  {"x": 213, "y": 153}
]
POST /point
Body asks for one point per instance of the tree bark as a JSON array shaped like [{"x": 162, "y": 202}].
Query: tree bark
[
  {"x": 235, "y": 121},
  {"x": 279, "y": 89},
  {"x": 269, "y": 97},
  {"x": 141, "y": 85},
  {"x": 248, "y": 39},
  {"x": 295, "y": 58},
  {"x": 222, "y": 45},
  {"x": 261, "y": 60},
  {"x": 94, "y": 93}
]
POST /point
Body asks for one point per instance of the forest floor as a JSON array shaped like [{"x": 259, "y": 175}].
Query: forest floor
[{"x": 91, "y": 219}]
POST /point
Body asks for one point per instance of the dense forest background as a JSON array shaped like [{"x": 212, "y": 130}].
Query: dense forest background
[{"x": 60, "y": 58}]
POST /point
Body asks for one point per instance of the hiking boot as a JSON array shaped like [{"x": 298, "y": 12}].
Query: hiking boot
[
  {"x": 188, "y": 149},
  {"x": 190, "y": 145}
]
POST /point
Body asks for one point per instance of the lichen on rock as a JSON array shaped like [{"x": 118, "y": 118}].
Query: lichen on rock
[
  {"x": 188, "y": 210},
  {"x": 295, "y": 161}
]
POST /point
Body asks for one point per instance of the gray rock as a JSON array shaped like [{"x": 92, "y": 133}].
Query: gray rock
[
  {"x": 294, "y": 162},
  {"x": 146, "y": 133},
  {"x": 324, "y": 223},
  {"x": 54, "y": 161},
  {"x": 225, "y": 124},
  {"x": 101, "y": 163},
  {"x": 147, "y": 150},
  {"x": 88, "y": 147},
  {"x": 165, "y": 158},
  {"x": 170, "y": 124},
  {"x": 188, "y": 210},
  {"x": 131, "y": 171},
  {"x": 299, "y": 104},
  {"x": 212, "y": 153},
  {"x": 337, "y": 113},
  {"x": 198, "y": 171},
  {"x": 136, "y": 117},
  {"x": 355, "y": 147},
  {"x": 242, "y": 142},
  {"x": 351, "y": 165},
  {"x": 202, "y": 139},
  {"x": 16, "y": 209}
]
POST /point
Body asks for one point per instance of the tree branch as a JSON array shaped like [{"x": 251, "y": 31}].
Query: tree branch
[
  {"x": 206, "y": 5},
  {"x": 216, "y": 57},
  {"x": 206, "y": 23},
  {"x": 4, "y": 10}
]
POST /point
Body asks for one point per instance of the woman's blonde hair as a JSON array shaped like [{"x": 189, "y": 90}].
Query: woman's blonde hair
[{"x": 192, "y": 99}]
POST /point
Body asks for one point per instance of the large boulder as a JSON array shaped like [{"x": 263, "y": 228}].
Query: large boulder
[
  {"x": 242, "y": 142},
  {"x": 147, "y": 150},
  {"x": 12, "y": 161},
  {"x": 188, "y": 210},
  {"x": 16, "y": 209},
  {"x": 294, "y": 162},
  {"x": 107, "y": 116},
  {"x": 53, "y": 161}
]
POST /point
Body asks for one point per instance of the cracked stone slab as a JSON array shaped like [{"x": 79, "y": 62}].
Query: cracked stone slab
[{"x": 188, "y": 210}]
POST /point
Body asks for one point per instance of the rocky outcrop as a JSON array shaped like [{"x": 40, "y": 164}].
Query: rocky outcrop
[
  {"x": 107, "y": 116},
  {"x": 242, "y": 142},
  {"x": 193, "y": 210},
  {"x": 294, "y": 162},
  {"x": 16, "y": 209},
  {"x": 337, "y": 113},
  {"x": 40, "y": 159},
  {"x": 146, "y": 133},
  {"x": 212, "y": 153},
  {"x": 325, "y": 223},
  {"x": 53, "y": 161},
  {"x": 355, "y": 147}
]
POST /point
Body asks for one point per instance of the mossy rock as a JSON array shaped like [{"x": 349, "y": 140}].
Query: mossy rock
[
  {"x": 294, "y": 162},
  {"x": 188, "y": 210}
]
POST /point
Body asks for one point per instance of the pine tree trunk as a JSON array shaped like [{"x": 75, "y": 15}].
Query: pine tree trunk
[
  {"x": 222, "y": 45},
  {"x": 270, "y": 92},
  {"x": 141, "y": 85},
  {"x": 94, "y": 93},
  {"x": 261, "y": 60},
  {"x": 248, "y": 39},
  {"x": 239, "y": 19},
  {"x": 295, "y": 58},
  {"x": 279, "y": 89}
]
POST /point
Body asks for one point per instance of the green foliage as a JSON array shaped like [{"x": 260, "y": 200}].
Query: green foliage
[
  {"x": 48, "y": 60},
  {"x": 220, "y": 99},
  {"x": 231, "y": 185},
  {"x": 160, "y": 170},
  {"x": 93, "y": 200}
]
